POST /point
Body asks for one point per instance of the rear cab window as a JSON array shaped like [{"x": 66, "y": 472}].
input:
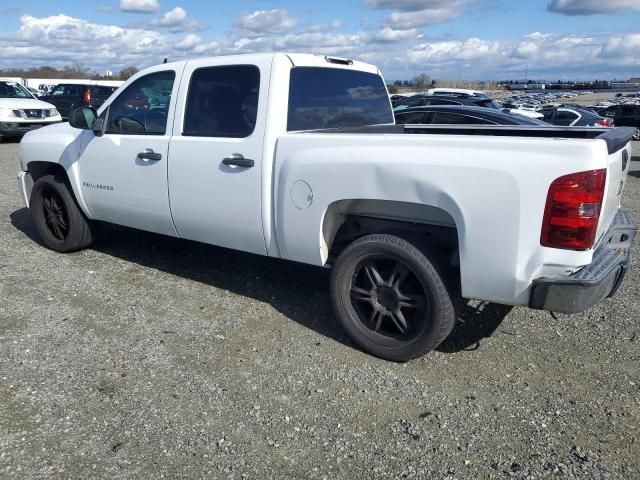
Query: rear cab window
[{"x": 321, "y": 97}]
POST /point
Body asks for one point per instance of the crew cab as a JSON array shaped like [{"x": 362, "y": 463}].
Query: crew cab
[
  {"x": 297, "y": 156},
  {"x": 21, "y": 112}
]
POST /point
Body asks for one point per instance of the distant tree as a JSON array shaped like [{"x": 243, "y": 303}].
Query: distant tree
[
  {"x": 392, "y": 88},
  {"x": 127, "y": 72},
  {"x": 421, "y": 80},
  {"x": 77, "y": 70}
]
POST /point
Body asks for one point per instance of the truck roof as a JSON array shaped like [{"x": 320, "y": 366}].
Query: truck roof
[{"x": 301, "y": 60}]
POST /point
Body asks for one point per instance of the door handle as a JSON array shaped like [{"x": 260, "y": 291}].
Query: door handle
[
  {"x": 239, "y": 162},
  {"x": 149, "y": 154}
]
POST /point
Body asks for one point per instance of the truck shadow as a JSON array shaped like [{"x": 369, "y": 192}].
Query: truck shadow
[{"x": 300, "y": 292}]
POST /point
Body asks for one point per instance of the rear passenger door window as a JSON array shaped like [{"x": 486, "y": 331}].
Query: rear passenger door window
[{"x": 222, "y": 102}]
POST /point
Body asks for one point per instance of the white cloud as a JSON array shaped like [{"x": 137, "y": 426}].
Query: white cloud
[
  {"x": 189, "y": 42},
  {"x": 387, "y": 34},
  {"x": 139, "y": 6},
  {"x": 317, "y": 42},
  {"x": 622, "y": 47},
  {"x": 421, "y": 18},
  {"x": 60, "y": 40},
  {"x": 410, "y": 5},
  {"x": 323, "y": 27},
  {"x": 176, "y": 20},
  {"x": 410, "y": 14},
  {"x": 592, "y": 7},
  {"x": 268, "y": 21}
]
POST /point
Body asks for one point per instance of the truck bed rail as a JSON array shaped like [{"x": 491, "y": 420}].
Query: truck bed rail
[{"x": 615, "y": 138}]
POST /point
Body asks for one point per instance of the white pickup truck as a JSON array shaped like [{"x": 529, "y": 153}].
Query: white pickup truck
[{"x": 297, "y": 156}]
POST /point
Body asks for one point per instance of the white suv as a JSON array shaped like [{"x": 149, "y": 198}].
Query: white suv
[{"x": 21, "y": 112}]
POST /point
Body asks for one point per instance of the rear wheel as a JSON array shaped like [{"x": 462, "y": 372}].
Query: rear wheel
[
  {"x": 390, "y": 298},
  {"x": 59, "y": 221}
]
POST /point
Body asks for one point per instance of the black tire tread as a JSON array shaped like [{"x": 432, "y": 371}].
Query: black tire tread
[
  {"x": 82, "y": 230},
  {"x": 446, "y": 316}
]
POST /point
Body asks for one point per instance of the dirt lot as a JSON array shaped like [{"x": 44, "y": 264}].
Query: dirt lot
[{"x": 150, "y": 357}]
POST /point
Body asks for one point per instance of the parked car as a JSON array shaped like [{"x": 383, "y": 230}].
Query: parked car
[
  {"x": 21, "y": 112},
  {"x": 457, "y": 91},
  {"x": 570, "y": 116},
  {"x": 624, "y": 116},
  {"x": 405, "y": 216},
  {"x": 455, "y": 115},
  {"x": 525, "y": 113},
  {"x": 68, "y": 96},
  {"x": 446, "y": 99}
]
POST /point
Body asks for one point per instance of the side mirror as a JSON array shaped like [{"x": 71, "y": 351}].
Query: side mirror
[{"x": 82, "y": 118}]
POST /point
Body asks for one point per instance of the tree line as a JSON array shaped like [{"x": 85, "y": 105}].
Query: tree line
[{"x": 76, "y": 70}]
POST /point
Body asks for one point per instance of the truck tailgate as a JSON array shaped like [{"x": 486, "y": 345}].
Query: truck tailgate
[{"x": 618, "y": 164}]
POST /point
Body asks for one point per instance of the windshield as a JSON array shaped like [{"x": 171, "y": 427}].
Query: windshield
[
  {"x": 13, "y": 90},
  {"x": 333, "y": 98}
]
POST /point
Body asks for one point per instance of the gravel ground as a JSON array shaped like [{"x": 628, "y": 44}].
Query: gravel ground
[{"x": 150, "y": 357}]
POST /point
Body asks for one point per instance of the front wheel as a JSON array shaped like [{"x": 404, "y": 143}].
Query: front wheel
[
  {"x": 59, "y": 221},
  {"x": 390, "y": 298}
]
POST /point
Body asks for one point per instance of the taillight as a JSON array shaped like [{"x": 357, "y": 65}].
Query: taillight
[
  {"x": 605, "y": 122},
  {"x": 573, "y": 209},
  {"x": 86, "y": 96}
]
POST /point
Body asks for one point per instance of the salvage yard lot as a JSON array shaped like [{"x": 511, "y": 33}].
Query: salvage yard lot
[{"x": 151, "y": 357}]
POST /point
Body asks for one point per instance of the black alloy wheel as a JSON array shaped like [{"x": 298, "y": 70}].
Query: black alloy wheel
[
  {"x": 388, "y": 297},
  {"x": 55, "y": 212}
]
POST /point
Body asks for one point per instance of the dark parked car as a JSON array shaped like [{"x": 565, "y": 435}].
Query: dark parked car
[
  {"x": 67, "y": 96},
  {"x": 570, "y": 116},
  {"x": 456, "y": 115},
  {"x": 396, "y": 98},
  {"x": 459, "y": 99},
  {"x": 624, "y": 116}
]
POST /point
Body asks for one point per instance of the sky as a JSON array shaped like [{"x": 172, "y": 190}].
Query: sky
[{"x": 468, "y": 39}]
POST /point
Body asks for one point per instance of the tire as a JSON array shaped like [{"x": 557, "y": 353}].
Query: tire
[
  {"x": 57, "y": 217},
  {"x": 378, "y": 276}
]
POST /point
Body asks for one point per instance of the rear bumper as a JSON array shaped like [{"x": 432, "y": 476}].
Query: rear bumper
[{"x": 596, "y": 281}]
